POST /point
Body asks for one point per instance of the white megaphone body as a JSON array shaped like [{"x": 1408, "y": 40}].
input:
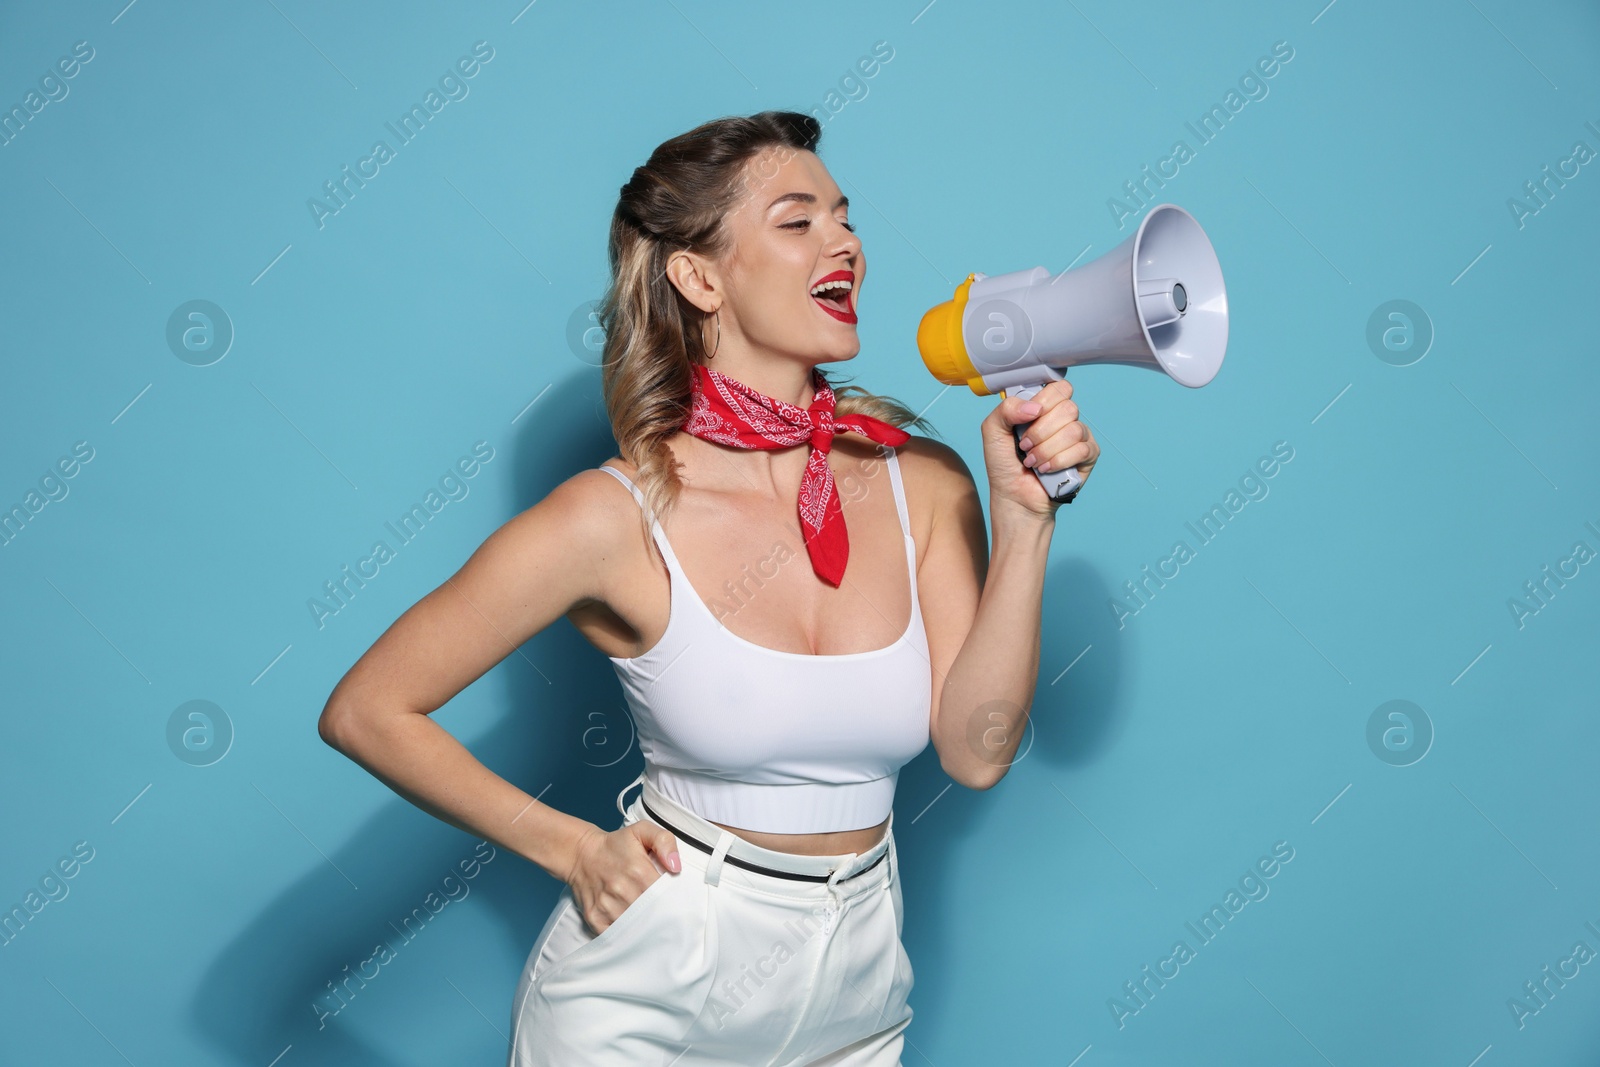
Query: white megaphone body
[{"x": 1155, "y": 301}]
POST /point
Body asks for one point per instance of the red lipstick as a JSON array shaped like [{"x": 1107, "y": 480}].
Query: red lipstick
[{"x": 846, "y": 312}]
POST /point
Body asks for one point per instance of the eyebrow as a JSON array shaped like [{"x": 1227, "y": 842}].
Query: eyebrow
[{"x": 807, "y": 198}]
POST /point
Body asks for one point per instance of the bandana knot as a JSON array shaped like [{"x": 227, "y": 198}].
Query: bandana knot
[
  {"x": 821, "y": 429},
  {"x": 727, "y": 411}
]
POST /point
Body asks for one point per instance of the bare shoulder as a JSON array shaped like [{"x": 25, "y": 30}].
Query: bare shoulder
[
  {"x": 589, "y": 503},
  {"x": 935, "y": 472},
  {"x": 586, "y": 522},
  {"x": 942, "y": 497}
]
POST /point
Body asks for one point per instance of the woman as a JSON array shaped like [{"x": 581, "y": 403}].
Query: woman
[{"x": 747, "y": 910}]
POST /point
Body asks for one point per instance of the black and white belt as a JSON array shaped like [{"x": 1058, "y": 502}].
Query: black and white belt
[{"x": 746, "y": 864}]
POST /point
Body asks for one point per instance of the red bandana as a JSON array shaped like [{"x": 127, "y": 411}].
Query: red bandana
[{"x": 729, "y": 412}]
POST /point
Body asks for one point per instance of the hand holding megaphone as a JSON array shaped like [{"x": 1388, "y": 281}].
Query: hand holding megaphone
[{"x": 1155, "y": 301}]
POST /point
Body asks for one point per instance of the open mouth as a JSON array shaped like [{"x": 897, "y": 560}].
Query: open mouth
[{"x": 834, "y": 292}]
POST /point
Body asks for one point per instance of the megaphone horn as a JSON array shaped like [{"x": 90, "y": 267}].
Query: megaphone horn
[{"x": 1155, "y": 301}]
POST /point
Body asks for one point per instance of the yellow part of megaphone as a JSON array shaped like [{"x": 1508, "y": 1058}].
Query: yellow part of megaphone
[{"x": 939, "y": 340}]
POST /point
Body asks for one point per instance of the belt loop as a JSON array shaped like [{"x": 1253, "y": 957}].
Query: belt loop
[
  {"x": 714, "y": 867},
  {"x": 892, "y": 860},
  {"x": 835, "y": 898},
  {"x": 630, "y": 785}
]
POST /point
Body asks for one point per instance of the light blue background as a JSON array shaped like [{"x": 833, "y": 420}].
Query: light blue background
[{"x": 433, "y": 312}]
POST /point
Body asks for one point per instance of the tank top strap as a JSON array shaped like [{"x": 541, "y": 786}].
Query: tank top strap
[
  {"x": 899, "y": 490},
  {"x": 655, "y": 527}
]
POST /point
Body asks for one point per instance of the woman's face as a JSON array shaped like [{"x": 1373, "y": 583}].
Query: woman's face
[{"x": 790, "y": 232}]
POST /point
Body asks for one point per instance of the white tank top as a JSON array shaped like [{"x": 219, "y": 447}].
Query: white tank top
[{"x": 773, "y": 741}]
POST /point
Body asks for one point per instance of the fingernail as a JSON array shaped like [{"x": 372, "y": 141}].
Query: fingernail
[
  {"x": 1028, "y": 462},
  {"x": 1025, "y": 444},
  {"x": 1029, "y": 408},
  {"x": 674, "y": 863}
]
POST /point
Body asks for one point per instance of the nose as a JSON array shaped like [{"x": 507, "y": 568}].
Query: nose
[
  {"x": 846, "y": 255},
  {"x": 846, "y": 238}
]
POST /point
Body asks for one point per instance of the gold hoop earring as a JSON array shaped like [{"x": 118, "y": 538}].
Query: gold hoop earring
[{"x": 717, "y": 315}]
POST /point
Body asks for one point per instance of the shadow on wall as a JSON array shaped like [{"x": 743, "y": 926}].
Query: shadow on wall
[
  {"x": 1075, "y": 718},
  {"x": 565, "y": 726},
  {"x": 1080, "y": 712}
]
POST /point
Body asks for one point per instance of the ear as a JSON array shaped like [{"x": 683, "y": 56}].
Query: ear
[{"x": 694, "y": 277}]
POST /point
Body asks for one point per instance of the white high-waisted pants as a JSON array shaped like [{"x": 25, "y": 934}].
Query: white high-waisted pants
[{"x": 722, "y": 965}]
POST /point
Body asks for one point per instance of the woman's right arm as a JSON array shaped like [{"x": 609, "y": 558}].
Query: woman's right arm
[{"x": 530, "y": 572}]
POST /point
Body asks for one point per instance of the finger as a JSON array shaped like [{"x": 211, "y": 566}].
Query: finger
[
  {"x": 1045, "y": 442},
  {"x": 1055, "y": 392},
  {"x": 596, "y": 918},
  {"x": 664, "y": 844},
  {"x": 1014, "y": 411},
  {"x": 616, "y": 899},
  {"x": 1051, "y": 448},
  {"x": 1076, "y": 456},
  {"x": 1053, "y": 420},
  {"x": 1047, "y": 399}
]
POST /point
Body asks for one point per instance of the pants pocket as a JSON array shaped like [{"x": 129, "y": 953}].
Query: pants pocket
[
  {"x": 626, "y": 995},
  {"x": 571, "y": 940}
]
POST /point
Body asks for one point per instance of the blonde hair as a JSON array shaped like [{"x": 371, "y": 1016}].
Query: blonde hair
[{"x": 677, "y": 202}]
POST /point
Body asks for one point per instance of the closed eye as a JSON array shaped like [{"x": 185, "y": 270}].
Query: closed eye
[{"x": 799, "y": 224}]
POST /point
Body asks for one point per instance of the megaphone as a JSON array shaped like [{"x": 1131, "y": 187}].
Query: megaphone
[{"x": 1155, "y": 301}]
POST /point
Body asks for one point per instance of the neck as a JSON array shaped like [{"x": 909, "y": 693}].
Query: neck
[{"x": 782, "y": 380}]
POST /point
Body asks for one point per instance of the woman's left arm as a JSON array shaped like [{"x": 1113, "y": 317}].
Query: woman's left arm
[{"x": 982, "y": 614}]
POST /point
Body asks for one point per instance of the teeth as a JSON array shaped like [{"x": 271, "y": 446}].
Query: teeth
[{"x": 825, "y": 286}]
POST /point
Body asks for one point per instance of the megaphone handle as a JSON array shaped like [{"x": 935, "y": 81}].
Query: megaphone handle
[{"x": 1060, "y": 486}]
